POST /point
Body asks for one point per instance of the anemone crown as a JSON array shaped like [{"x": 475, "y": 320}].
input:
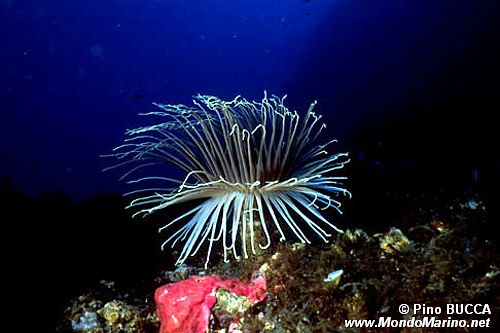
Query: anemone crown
[{"x": 252, "y": 164}]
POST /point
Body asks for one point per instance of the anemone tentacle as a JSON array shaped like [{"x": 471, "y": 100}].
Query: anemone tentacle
[{"x": 253, "y": 165}]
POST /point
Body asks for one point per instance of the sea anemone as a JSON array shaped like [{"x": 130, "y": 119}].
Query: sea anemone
[{"x": 247, "y": 165}]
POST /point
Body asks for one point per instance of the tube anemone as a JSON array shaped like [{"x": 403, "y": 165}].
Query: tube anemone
[{"x": 251, "y": 165}]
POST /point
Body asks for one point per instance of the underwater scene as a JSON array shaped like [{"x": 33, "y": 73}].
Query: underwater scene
[{"x": 233, "y": 166}]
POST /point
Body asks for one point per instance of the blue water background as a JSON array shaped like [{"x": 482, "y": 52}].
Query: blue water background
[{"x": 74, "y": 74}]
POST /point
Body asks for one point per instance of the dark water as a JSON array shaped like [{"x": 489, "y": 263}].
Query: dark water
[
  {"x": 74, "y": 74},
  {"x": 410, "y": 88}
]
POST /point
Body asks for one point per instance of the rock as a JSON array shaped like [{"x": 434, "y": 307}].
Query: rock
[
  {"x": 88, "y": 321},
  {"x": 333, "y": 278}
]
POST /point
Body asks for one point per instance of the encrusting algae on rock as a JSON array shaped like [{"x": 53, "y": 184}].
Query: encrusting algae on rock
[{"x": 422, "y": 263}]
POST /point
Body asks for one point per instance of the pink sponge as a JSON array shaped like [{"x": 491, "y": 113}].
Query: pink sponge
[{"x": 184, "y": 306}]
